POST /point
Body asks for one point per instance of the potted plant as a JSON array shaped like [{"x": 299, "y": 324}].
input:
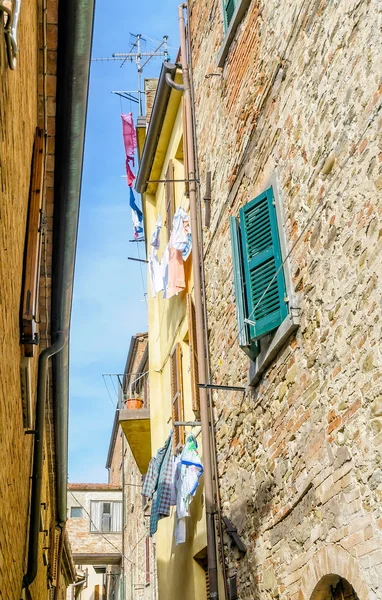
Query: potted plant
[{"x": 133, "y": 403}]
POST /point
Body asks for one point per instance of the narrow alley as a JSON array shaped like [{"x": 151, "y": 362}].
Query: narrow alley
[{"x": 190, "y": 300}]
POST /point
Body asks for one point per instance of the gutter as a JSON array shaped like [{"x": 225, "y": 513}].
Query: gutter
[
  {"x": 74, "y": 50},
  {"x": 162, "y": 97},
  {"x": 75, "y": 26},
  {"x": 38, "y": 457}
]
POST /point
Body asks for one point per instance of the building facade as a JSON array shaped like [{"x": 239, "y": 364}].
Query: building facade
[
  {"x": 44, "y": 81},
  {"x": 128, "y": 459},
  {"x": 171, "y": 337},
  {"x": 95, "y": 514},
  {"x": 288, "y": 123}
]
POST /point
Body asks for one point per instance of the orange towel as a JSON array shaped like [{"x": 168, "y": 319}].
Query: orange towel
[{"x": 176, "y": 280}]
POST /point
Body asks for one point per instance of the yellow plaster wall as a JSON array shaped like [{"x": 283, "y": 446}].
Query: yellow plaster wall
[{"x": 179, "y": 575}]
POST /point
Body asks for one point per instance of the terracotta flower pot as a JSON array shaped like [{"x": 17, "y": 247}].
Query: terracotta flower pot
[{"x": 133, "y": 403}]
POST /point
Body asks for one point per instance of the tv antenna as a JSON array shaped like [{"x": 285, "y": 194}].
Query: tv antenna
[{"x": 141, "y": 58}]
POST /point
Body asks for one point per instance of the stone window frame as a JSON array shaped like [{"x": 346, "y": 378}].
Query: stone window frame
[
  {"x": 240, "y": 10},
  {"x": 271, "y": 344},
  {"x": 92, "y": 523}
]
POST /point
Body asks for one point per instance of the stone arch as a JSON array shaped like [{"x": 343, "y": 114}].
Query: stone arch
[
  {"x": 329, "y": 564},
  {"x": 335, "y": 587}
]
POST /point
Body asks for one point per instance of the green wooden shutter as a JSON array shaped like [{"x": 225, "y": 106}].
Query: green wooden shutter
[
  {"x": 228, "y": 9},
  {"x": 262, "y": 259},
  {"x": 250, "y": 348}
]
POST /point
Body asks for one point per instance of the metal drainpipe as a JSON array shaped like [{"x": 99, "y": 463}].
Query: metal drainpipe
[
  {"x": 203, "y": 287},
  {"x": 59, "y": 561},
  {"x": 38, "y": 456},
  {"x": 204, "y": 411},
  {"x": 177, "y": 86}
]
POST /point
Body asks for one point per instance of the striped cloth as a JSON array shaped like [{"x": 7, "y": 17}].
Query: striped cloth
[{"x": 157, "y": 484}]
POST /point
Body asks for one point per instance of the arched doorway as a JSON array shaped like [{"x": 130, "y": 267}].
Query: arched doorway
[{"x": 334, "y": 587}]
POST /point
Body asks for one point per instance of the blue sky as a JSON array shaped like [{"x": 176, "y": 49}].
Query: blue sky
[{"x": 108, "y": 303}]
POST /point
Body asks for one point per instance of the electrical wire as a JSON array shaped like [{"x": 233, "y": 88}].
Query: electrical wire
[
  {"x": 105, "y": 538},
  {"x": 320, "y": 206},
  {"x": 142, "y": 278}
]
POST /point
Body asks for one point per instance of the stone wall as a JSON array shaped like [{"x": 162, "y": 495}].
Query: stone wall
[
  {"x": 299, "y": 455},
  {"x": 82, "y": 539},
  {"x": 115, "y": 469}
]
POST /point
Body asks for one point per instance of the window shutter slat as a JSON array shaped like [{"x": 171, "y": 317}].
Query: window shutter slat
[
  {"x": 174, "y": 396},
  {"x": 180, "y": 393},
  {"x": 177, "y": 396},
  {"x": 193, "y": 355},
  {"x": 262, "y": 259},
  {"x": 250, "y": 348},
  {"x": 53, "y": 562},
  {"x": 229, "y": 9},
  {"x": 31, "y": 277}
]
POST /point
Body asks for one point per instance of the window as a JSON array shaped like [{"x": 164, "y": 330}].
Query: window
[
  {"x": 170, "y": 197},
  {"x": 193, "y": 355},
  {"x": 75, "y": 512},
  {"x": 31, "y": 275},
  {"x": 176, "y": 395},
  {"x": 233, "y": 13},
  {"x": 228, "y": 8},
  {"x": 106, "y": 516},
  {"x": 261, "y": 298}
]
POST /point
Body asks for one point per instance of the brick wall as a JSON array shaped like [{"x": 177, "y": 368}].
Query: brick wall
[
  {"x": 18, "y": 119},
  {"x": 308, "y": 484},
  {"x": 115, "y": 471},
  {"x": 21, "y": 110}
]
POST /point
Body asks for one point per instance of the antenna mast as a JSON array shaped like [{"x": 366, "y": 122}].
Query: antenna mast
[{"x": 160, "y": 50}]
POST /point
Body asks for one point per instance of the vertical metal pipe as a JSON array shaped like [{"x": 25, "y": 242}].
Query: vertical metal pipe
[
  {"x": 196, "y": 258},
  {"x": 38, "y": 457},
  {"x": 207, "y": 199},
  {"x": 139, "y": 74}
]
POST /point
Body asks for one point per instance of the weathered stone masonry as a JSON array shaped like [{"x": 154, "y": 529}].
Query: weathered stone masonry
[{"x": 299, "y": 456}]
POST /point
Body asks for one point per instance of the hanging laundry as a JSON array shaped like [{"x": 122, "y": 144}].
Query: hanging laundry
[
  {"x": 129, "y": 136},
  {"x": 129, "y": 174},
  {"x": 188, "y": 472},
  {"x": 130, "y": 143},
  {"x": 187, "y": 248},
  {"x": 176, "y": 280},
  {"x": 175, "y": 464},
  {"x": 137, "y": 216},
  {"x": 157, "y": 484},
  {"x": 182, "y": 233},
  {"x": 155, "y": 236},
  {"x": 155, "y": 270},
  {"x": 164, "y": 269}
]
